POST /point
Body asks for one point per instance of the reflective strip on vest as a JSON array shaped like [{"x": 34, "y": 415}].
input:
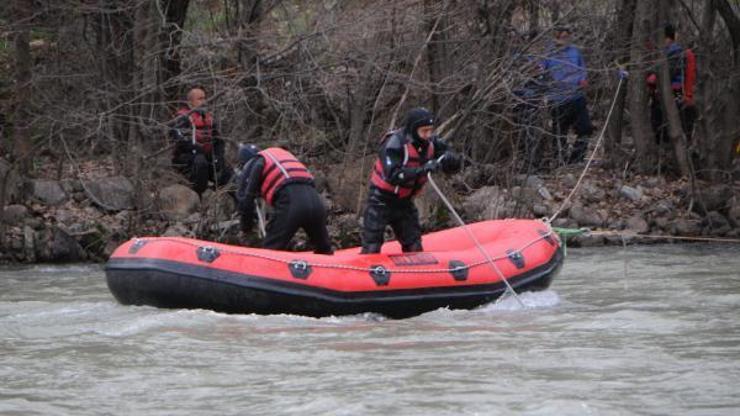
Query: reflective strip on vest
[
  {"x": 281, "y": 168},
  {"x": 201, "y": 128},
  {"x": 411, "y": 159}
]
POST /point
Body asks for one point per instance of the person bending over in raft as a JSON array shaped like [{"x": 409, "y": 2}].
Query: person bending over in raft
[
  {"x": 406, "y": 156},
  {"x": 284, "y": 183}
]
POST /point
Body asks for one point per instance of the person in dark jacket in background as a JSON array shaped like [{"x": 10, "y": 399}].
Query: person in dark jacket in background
[
  {"x": 567, "y": 75},
  {"x": 277, "y": 176},
  {"x": 199, "y": 149},
  {"x": 405, "y": 157}
]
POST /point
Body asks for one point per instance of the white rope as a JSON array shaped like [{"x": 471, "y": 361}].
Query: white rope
[
  {"x": 591, "y": 158},
  {"x": 487, "y": 256}
]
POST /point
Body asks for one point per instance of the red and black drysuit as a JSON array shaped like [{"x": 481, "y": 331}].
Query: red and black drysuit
[
  {"x": 284, "y": 183},
  {"x": 199, "y": 150},
  {"x": 682, "y": 71},
  {"x": 398, "y": 175}
]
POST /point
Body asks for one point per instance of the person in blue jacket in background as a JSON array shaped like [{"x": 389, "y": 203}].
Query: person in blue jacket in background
[{"x": 566, "y": 72}]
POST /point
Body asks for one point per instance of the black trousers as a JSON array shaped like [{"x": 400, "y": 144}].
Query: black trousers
[
  {"x": 298, "y": 205},
  {"x": 199, "y": 168},
  {"x": 572, "y": 113},
  {"x": 401, "y": 214},
  {"x": 660, "y": 125}
]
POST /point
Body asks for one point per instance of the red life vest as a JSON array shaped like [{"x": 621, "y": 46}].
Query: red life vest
[
  {"x": 281, "y": 168},
  {"x": 411, "y": 159},
  {"x": 202, "y": 127}
]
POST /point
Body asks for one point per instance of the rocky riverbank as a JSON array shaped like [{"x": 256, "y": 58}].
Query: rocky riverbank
[{"x": 89, "y": 211}]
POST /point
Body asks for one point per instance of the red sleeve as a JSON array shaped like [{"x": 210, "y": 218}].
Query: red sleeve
[{"x": 689, "y": 79}]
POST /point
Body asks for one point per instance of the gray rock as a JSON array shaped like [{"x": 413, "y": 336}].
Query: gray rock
[
  {"x": 655, "y": 181},
  {"x": 589, "y": 240},
  {"x": 47, "y": 192},
  {"x": 71, "y": 186},
  {"x": 686, "y": 227},
  {"x": 570, "y": 180},
  {"x": 633, "y": 194},
  {"x": 713, "y": 198},
  {"x": 15, "y": 214},
  {"x": 14, "y": 186},
  {"x": 178, "y": 201},
  {"x": 529, "y": 181},
  {"x": 55, "y": 245},
  {"x": 592, "y": 193},
  {"x": 544, "y": 193},
  {"x": 540, "y": 210},
  {"x": 177, "y": 230},
  {"x": 585, "y": 216},
  {"x": 564, "y": 223},
  {"x": 716, "y": 223},
  {"x": 111, "y": 194},
  {"x": 485, "y": 203},
  {"x": 663, "y": 223},
  {"x": 616, "y": 224},
  {"x": 637, "y": 224},
  {"x": 29, "y": 247},
  {"x": 733, "y": 214},
  {"x": 664, "y": 207}
]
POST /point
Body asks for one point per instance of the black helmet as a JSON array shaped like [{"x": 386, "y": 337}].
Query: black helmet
[
  {"x": 247, "y": 152},
  {"x": 418, "y": 117}
]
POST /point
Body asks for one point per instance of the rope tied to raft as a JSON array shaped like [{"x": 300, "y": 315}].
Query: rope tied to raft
[{"x": 470, "y": 234}]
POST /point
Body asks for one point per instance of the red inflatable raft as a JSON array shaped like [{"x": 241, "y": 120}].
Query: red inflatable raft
[{"x": 452, "y": 272}]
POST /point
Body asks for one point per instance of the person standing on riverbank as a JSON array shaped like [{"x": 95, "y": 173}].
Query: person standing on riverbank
[
  {"x": 682, "y": 72},
  {"x": 566, "y": 73},
  {"x": 199, "y": 149}
]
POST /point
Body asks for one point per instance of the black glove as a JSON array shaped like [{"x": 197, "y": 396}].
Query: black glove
[
  {"x": 430, "y": 166},
  {"x": 451, "y": 162}
]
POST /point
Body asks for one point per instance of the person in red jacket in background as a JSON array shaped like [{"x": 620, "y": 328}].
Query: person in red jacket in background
[
  {"x": 682, "y": 70},
  {"x": 199, "y": 150}
]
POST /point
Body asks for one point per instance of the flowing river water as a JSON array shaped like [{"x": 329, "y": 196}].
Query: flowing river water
[{"x": 641, "y": 330}]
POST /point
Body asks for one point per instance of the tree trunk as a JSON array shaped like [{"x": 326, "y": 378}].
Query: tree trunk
[
  {"x": 637, "y": 94},
  {"x": 620, "y": 38},
  {"x": 22, "y": 145},
  {"x": 175, "y": 12},
  {"x": 721, "y": 154},
  {"x": 670, "y": 110},
  {"x": 250, "y": 15},
  {"x": 437, "y": 52}
]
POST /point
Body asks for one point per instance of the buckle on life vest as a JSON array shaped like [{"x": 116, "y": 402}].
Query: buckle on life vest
[
  {"x": 516, "y": 258},
  {"x": 136, "y": 246},
  {"x": 207, "y": 254},
  {"x": 299, "y": 269},
  {"x": 458, "y": 270},
  {"x": 380, "y": 275}
]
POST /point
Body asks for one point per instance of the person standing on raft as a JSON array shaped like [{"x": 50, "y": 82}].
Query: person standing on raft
[
  {"x": 405, "y": 157},
  {"x": 284, "y": 183}
]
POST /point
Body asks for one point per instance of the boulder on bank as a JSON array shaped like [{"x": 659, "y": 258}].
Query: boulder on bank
[
  {"x": 46, "y": 191},
  {"x": 14, "y": 214},
  {"x": 14, "y": 185},
  {"x": 177, "y": 202},
  {"x": 55, "y": 245},
  {"x": 111, "y": 194}
]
